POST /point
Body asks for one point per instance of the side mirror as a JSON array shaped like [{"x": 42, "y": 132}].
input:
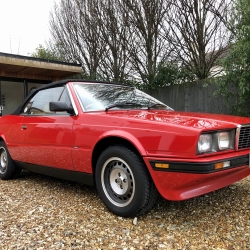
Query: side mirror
[{"x": 61, "y": 107}]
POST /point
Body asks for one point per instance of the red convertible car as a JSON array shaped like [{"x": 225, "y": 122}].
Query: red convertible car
[{"x": 131, "y": 146}]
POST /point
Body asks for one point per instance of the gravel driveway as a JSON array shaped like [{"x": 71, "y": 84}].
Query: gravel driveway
[{"x": 39, "y": 212}]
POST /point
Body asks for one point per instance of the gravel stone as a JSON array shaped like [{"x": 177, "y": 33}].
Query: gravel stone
[{"x": 40, "y": 212}]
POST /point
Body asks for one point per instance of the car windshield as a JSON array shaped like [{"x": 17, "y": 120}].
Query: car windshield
[{"x": 94, "y": 97}]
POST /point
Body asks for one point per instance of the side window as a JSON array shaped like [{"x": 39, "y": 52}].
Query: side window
[{"x": 39, "y": 104}]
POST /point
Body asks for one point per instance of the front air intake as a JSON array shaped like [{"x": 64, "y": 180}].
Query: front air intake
[{"x": 243, "y": 134}]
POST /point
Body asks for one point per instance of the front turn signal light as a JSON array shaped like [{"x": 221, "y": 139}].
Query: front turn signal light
[
  {"x": 221, "y": 165},
  {"x": 161, "y": 165}
]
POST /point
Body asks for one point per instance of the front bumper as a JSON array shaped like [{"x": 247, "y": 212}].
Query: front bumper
[
  {"x": 186, "y": 179},
  {"x": 199, "y": 167}
]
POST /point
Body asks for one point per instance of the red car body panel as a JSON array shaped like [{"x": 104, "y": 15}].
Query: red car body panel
[
  {"x": 152, "y": 143},
  {"x": 10, "y": 132},
  {"x": 47, "y": 141},
  {"x": 68, "y": 142},
  {"x": 182, "y": 186}
]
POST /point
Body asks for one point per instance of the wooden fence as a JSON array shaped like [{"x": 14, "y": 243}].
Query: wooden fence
[{"x": 195, "y": 97}]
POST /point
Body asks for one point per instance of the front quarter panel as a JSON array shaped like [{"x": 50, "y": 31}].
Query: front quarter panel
[{"x": 150, "y": 139}]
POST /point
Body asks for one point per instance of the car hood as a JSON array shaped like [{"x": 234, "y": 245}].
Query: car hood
[{"x": 199, "y": 121}]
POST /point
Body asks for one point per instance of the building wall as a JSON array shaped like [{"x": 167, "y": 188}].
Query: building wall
[{"x": 12, "y": 95}]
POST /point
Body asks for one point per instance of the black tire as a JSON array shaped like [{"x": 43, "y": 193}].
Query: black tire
[
  {"x": 8, "y": 170},
  {"x": 123, "y": 182}
]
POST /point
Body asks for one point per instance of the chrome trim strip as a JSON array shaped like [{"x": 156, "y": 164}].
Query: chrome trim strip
[
  {"x": 78, "y": 98},
  {"x": 72, "y": 100},
  {"x": 237, "y": 137}
]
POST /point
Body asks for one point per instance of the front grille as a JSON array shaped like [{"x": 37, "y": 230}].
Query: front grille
[{"x": 244, "y": 137}]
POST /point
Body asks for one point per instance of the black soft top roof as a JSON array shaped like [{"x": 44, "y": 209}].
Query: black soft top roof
[{"x": 59, "y": 83}]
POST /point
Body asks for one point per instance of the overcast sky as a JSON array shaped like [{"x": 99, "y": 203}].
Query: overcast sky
[{"x": 24, "y": 24}]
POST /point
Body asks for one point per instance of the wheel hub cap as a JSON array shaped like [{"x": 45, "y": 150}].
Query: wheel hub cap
[
  {"x": 3, "y": 161},
  {"x": 118, "y": 181}
]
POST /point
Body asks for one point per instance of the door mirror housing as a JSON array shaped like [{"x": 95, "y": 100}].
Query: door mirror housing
[{"x": 61, "y": 107}]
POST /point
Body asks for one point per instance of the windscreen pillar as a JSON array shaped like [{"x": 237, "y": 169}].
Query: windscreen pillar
[{"x": 25, "y": 88}]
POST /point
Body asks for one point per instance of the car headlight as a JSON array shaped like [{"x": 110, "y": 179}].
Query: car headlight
[
  {"x": 216, "y": 141},
  {"x": 205, "y": 143},
  {"x": 223, "y": 140}
]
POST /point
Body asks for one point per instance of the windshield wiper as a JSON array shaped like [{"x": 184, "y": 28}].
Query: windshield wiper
[
  {"x": 122, "y": 104},
  {"x": 157, "y": 106}
]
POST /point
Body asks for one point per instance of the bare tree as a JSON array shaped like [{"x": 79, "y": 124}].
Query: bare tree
[
  {"x": 94, "y": 33},
  {"x": 197, "y": 34},
  {"x": 75, "y": 32},
  {"x": 146, "y": 47},
  {"x": 119, "y": 40},
  {"x": 114, "y": 31}
]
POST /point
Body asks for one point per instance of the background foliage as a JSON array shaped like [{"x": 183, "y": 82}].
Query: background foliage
[{"x": 235, "y": 84}]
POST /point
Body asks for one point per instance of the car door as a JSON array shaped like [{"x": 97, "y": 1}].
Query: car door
[{"x": 46, "y": 137}]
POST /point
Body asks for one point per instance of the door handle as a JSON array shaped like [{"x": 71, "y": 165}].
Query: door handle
[{"x": 24, "y": 126}]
